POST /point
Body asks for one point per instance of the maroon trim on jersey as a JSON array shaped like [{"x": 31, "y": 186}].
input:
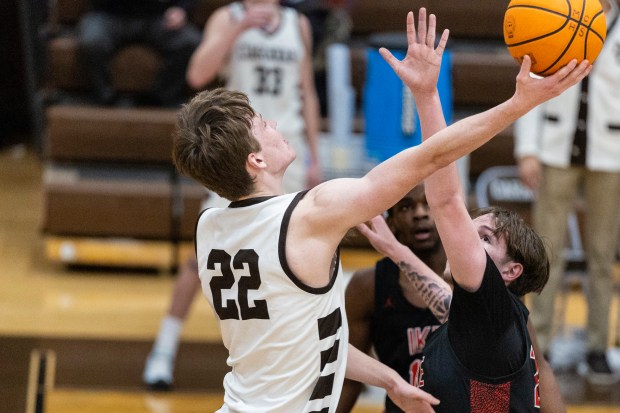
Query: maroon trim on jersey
[{"x": 282, "y": 253}]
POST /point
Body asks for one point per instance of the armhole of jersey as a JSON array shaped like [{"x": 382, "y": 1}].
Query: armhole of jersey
[
  {"x": 282, "y": 252},
  {"x": 196, "y": 231}
]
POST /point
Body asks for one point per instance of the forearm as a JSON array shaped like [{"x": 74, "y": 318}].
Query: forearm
[
  {"x": 365, "y": 369},
  {"x": 551, "y": 400},
  {"x": 210, "y": 56},
  {"x": 444, "y": 183},
  {"x": 435, "y": 292},
  {"x": 310, "y": 110}
]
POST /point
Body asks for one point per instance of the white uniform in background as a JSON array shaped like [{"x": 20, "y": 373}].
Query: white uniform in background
[
  {"x": 287, "y": 341},
  {"x": 267, "y": 66}
]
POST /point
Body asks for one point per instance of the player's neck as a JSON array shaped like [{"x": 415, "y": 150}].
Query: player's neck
[{"x": 272, "y": 187}]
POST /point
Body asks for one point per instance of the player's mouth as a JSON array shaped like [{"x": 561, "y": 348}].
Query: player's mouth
[{"x": 421, "y": 234}]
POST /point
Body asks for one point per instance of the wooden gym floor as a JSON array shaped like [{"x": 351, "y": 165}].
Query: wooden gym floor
[{"x": 94, "y": 328}]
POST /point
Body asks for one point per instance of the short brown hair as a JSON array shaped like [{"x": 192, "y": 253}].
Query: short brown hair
[
  {"x": 523, "y": 245},
  {"x": 213, "y": 140}
]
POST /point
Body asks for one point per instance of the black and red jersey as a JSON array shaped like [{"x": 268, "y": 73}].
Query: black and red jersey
[
  {"x": 399, "y": 329},
  {"x": 482, "y": 360}
]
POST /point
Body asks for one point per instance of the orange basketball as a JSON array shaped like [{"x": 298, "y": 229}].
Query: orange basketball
[{"x": 553, "y": 32}]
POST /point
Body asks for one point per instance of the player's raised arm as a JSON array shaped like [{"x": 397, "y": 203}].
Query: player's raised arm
[{"x": 341, "y": 204}]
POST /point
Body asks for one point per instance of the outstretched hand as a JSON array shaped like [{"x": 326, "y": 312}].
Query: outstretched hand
[
  {"x": 379, "y": 234},
  {"x": 533, "y": 90},
  {"x": 419, "y": 70}
]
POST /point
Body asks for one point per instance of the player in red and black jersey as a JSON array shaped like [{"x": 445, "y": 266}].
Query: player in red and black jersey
[
  {"x": 483, "y": 358},
  {"x": 388, "y": 307}
]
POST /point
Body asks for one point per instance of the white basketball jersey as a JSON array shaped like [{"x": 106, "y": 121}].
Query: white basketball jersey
[
  {"x": 287, "y": 342},
  {"x": 267, "y": 67}
]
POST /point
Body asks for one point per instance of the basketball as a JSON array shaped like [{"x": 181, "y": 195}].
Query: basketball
[{"x": 553, "y": 32}]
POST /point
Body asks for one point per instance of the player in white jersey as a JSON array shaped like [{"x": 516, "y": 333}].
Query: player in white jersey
[
  {"x": 264, "y": 51},
  {"x": 267, "y": 262},
  {"x": 287, "y": 340}
]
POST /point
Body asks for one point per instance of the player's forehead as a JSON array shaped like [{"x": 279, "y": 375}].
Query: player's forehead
[
  {"x": 486, "y": 221},
  {"x": 417, "y": 194}
]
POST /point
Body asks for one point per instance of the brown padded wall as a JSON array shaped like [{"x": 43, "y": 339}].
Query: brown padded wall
[
  {"x": 109, "y": 134},
  {"x": 465, "y": 19},
  {"x": 193, "y": 195},
  {"x": 118, "y": 204},
  {"x": 108, "y": 209},
  {"x": 496, "y": 152},
  {"x": 470, "y": 19},
  {"x": 483, "y": 77},
  {"x": 68, "y": 12}
]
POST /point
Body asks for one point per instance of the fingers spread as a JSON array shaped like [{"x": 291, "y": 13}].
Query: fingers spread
[
  {"x": 432, "y": 27},
  {"x": 443, "y": 41},
  {"x": 422, "y": 24},
  {"x": 411, "y": 36},
  {"x": 389, "y": 58}
]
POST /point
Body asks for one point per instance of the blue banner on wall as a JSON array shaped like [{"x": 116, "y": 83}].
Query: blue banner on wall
[{"x": 391, "y": 121}]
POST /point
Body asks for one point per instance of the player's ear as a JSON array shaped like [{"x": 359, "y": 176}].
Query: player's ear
[
  {"x": 255, "y": 161},
  {"x": 512, "y": 270}
]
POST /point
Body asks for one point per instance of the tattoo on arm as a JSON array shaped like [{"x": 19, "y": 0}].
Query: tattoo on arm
[{"x": 435, "y": 295}]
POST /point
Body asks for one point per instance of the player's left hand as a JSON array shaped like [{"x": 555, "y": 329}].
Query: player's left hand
[
  {"x": 419, "y": 70},
  {"x": 412, "y": 399}
]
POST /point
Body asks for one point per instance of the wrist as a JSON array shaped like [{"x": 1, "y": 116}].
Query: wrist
[
  {"x": 421, "y": 96},
  {"x": 397, "y": 251},
  {"x": 391, "y": 380}
]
